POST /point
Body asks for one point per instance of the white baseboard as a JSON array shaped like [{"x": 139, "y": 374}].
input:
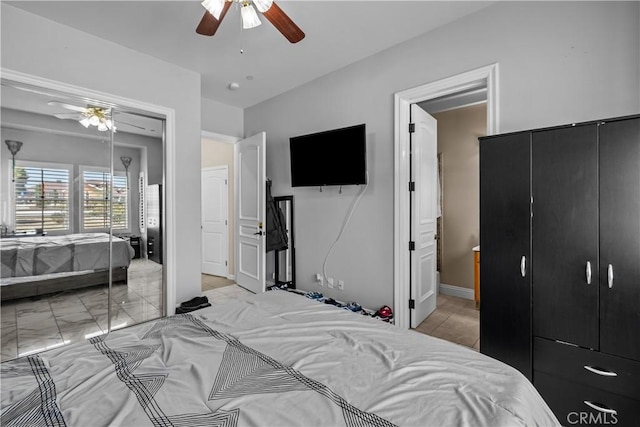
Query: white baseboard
[
  {"x": 456, "y": 291},
  {"x": 231, "y": 276}
]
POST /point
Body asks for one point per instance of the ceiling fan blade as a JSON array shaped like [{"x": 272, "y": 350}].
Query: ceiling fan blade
[
  {"x": 209, "y": 24},
  {"x": 68, "y": 116},
  {"x": 283, "y": 23},
  {"x": 67, "y": 106},
  {"x": 119, "y": 122}
]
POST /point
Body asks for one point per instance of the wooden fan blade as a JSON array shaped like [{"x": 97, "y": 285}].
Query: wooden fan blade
[
  {"x": 283, "y": 23},
  {"x": 209, "y": 24}
]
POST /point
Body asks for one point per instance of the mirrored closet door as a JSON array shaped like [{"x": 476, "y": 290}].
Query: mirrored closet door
[{"x": 81, "y": 191}]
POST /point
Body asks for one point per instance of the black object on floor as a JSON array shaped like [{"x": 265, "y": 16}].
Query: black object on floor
[
  {"x": 188, "y": 309},
  {"x": 195, "y": 301}
]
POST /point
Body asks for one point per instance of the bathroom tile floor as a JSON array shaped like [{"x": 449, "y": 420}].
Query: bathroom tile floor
[{"x": 456, "y": 320}]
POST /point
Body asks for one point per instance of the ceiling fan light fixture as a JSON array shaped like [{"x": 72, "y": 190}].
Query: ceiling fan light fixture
[
  {"x": 85, "y": 122},
  {"x": 214, "y": 7},
  {"x": 249, "y": 16},
  {"x": 263, "y": 5}
]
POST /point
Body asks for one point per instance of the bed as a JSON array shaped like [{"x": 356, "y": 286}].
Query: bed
[
  {"x": 273, "y": 359},
  {"x": 44, "y": 264}
]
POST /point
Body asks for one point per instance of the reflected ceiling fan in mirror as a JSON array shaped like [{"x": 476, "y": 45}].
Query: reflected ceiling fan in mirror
[
  {"x": 217, "y": 9},
  {"x": 90, "y": 115}
]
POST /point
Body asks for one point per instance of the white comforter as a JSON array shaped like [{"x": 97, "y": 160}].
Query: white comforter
[{"x": 275, "y": 359}]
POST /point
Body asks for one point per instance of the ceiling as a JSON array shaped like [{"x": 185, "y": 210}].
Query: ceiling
[
  {"x": 338, "y": 33},
  {"x": 25, "y": 98}
]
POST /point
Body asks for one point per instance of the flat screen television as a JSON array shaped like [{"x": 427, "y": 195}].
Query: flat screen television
[{"x": 333, "y": 157}]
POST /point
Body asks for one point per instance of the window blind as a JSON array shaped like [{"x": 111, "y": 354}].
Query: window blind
[
  {"x": 41, "y": 198},
  {"x": 96, "y": 199}
]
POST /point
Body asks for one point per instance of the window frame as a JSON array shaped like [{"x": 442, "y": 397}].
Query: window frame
[
  {"x": 81, "y": 213},
  {"x": 43, "y": 165}
]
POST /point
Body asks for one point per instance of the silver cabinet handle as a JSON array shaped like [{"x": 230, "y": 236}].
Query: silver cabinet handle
[
  {"x": 610, "y": 276},
  {"x": 523, "y": 266},
  {"x": 597, "y": 407},
  {"x": 588, "y": 272},
  {"x": 600, "y": 371}
]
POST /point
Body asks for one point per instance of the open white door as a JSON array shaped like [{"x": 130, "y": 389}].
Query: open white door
[
  {"x": 250, "y": 213},
  {"x": 215, "y": 197},
  {"x": 424, "y": 172}
]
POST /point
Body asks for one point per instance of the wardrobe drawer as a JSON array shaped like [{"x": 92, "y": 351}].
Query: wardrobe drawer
[
  {"x": 588, "y": 367},
  {"x": 576, "y": 404}
]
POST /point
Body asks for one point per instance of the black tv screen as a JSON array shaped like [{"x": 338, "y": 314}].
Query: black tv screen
[{"x": 334, "y": 157}]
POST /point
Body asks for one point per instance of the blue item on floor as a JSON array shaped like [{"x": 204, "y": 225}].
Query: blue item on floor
[
  {"x": 353, "y": 306},
  {"x": 314, "y": 295}
]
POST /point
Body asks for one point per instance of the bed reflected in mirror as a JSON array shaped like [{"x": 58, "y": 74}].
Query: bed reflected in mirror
[{"x": 81, "y": 242}]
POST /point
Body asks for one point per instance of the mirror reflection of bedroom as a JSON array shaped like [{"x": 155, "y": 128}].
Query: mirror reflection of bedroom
[{"x": 81, "y": 213}]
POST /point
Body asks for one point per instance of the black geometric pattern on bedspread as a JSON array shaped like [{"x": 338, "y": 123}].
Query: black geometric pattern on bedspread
[
  {"x": 145, "y": 386},
  {"x": 39, "y": 408},
  {"x": 243, "y": 367},
  {"x": 243, "y": 371}
]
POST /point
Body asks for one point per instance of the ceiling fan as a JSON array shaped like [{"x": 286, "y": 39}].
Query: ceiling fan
[
  {"x": 217, "y": 9},
  {"x": 90, "y": 115}
]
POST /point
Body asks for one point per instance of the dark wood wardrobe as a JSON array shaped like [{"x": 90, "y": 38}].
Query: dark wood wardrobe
[{"x": 560, "y": 265}]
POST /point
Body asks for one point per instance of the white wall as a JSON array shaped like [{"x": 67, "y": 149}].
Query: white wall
[
  {"x": 222, "y": 119},
  {"x": 559, "y": 63},
  {"x": 40, "y": 47}
]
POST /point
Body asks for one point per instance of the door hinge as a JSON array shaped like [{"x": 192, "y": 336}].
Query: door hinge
[
  {"x": 412, "y": 186},
  {"x": 412, "y": 304},
  {"x": 225, "y": 222},
  {"x": 225, "y": 182},
  {"x": 225, "y": 263},
  {"x": 412, "y": 246},
  {"x": 412, "y": 127}
]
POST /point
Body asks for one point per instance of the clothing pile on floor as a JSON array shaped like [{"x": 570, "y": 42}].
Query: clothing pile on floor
[{"x": 384, "y": 313}]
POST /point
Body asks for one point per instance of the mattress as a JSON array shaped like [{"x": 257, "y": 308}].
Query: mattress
[
  {"x": 273, "y": 359},
  {"x": 34, "y": 256}
]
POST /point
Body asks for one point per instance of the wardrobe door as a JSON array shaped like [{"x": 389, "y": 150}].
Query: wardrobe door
[
  {"x": 505, "y": 307},
  {"x": 620, "y": 238},
  {"x": 565, "y": 234}
]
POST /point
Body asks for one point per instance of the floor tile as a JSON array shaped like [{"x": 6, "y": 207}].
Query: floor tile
[
  {"x": 456, "y": 320},
  {"x": 35, "y": 324}
]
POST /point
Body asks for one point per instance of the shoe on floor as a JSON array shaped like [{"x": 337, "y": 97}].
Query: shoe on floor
[
  {"x": 181, "y": 309},
  {"x": 195, "y": 301}
]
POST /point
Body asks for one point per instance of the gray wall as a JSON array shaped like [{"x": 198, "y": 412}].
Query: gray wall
[
  {"x": 40, "y": 47},
  {"x": 222, "y": 119},
  {"x": 560, "y": 62}
]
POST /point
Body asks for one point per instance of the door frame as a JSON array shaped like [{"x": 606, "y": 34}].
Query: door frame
[
  {"x": 224, "y": 168},
  {"x": 169, "y": 173},
  {"x": 487, "y": 75}
]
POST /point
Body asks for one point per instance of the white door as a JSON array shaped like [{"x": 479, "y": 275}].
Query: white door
[
  {"x": 424, "y": 164},
  {"x": 215, "y": 212},
  {"x": 250, "y": 213}
]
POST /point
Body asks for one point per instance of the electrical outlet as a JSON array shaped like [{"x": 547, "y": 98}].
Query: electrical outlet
[
  {"x": 341, "y": 285},
  {"x": 319, "y": 279},
  {"x": 330, "y": 282}
]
